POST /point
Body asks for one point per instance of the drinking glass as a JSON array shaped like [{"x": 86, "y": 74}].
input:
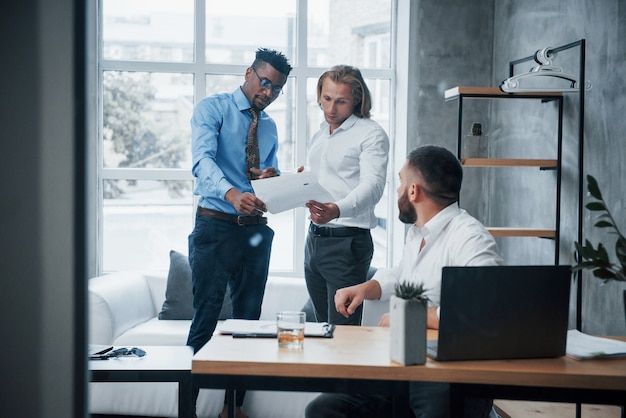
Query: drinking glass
[{"x": 290, "y": 329}]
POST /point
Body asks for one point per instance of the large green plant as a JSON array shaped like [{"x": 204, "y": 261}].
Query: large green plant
[{"x": 597, "y": 259}]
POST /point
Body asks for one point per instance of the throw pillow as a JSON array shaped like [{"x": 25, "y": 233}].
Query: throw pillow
[{"x": 178, "y": 294}]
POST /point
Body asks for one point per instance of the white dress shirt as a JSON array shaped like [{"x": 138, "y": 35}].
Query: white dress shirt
[
  {"x": 451, "y": 238},
  {"x": 351, "y": 163}
]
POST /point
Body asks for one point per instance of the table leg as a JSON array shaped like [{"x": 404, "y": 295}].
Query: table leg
[
  {"x": 230, "y": 400},
  {"x": 185, "y": 398}
]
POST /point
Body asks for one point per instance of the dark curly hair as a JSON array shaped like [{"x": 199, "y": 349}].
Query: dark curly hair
[{"x": 274, "y": 58}]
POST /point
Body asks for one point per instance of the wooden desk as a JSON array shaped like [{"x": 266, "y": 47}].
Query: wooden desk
[{"x": 357, "y": 360}]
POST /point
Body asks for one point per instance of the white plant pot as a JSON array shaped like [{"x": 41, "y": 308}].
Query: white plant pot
[{"x": 408, "y": 331}]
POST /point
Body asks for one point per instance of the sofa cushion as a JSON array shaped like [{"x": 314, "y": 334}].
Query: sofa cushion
[
  {"x": 117, "y": 302},
  {"x": 178, "y": 303},
  {"x": 155, "y": 332}
]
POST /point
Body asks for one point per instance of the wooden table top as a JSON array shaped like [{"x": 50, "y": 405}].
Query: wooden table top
[{"x": 363, "y": 353}]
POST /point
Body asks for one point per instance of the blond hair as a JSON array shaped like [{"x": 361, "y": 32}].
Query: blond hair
[{"x": 351, "y": 76}]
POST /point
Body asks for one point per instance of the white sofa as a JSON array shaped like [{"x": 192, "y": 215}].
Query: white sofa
[{"x": 123, "y": 309}]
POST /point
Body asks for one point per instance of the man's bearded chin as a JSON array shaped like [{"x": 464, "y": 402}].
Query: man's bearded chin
[{"x": 407, "y": 211}]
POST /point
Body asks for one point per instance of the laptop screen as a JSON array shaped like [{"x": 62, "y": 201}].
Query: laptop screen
[{"x": 502, "y": 312}]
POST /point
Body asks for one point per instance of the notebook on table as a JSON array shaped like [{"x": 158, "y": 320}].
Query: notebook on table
[
  {"x": 250, "y": 328},
  {"x": 502, "y": 312}
]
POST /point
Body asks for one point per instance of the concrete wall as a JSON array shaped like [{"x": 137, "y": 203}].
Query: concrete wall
[
  {"x": 453, "y": 47},
  {"x": 521, "y": 28},
  {"x": 470, "y": 44}
]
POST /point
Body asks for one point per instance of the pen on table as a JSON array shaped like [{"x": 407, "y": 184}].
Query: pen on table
[{"x": 254, "y": 335}]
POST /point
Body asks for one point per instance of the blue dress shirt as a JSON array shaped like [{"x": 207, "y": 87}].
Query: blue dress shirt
[{"x": 219, "y": 135}]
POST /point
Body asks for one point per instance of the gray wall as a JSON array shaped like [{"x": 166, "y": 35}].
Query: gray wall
[
  {"x": 470, "y": 44},
  {"x": 43, "y": 373},
  {"x": 453, "y": 48},
  {"x": 524, "y": 27}
]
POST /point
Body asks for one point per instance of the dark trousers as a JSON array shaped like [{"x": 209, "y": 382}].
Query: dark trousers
[
  {"x": 334, "y": 262},
  {"x": 426, "y": 400},
  {"x": 222, "y": 253}
]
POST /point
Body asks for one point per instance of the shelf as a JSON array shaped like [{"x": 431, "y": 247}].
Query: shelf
[
  {"x": 508, "y": 162},
  {"x": 522, "y": 232},
  {"x": 487, "y": 92},
  {"x": 465, "y": 94},
  {"x": 554, "y": 98}
]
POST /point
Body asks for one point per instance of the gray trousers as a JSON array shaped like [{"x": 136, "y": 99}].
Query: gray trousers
[{"x": 333, "y": 262}]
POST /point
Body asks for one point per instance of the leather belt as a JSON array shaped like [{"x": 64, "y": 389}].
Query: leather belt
[
  {"x": 340, "y": 232},
  {"x": 241, "y": 220}
]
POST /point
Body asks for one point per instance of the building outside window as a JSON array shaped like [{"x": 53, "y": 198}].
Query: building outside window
[{"x": 157, "y": 58}]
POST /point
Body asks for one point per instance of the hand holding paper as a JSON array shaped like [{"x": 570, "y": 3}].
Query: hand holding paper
[
  {"x": 290, "y": 190},
  {"x": 322, "y": 213}
]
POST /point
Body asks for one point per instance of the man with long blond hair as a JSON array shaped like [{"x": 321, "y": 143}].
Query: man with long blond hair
[{"x": 349, "y": 153}]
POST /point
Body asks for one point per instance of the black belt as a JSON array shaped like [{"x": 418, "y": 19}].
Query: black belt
[
  {"x": 241, "y": 220},
  {"x": 343, "y": 231}
]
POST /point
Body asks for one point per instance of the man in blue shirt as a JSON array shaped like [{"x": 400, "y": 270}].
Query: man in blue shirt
[{"x": 231, "y": 242}]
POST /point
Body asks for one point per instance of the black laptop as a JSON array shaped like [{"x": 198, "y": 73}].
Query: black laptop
[{"x": 502, "y": 312}]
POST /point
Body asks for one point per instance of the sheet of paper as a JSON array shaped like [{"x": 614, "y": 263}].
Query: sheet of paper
[
  {"x": 268, "y": 328},
  {"x": 290, "y": 190},
  {"x": 582, "y": 346}
]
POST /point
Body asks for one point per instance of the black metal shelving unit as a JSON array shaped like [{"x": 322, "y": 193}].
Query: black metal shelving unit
[{"x": 493, "y": 93}]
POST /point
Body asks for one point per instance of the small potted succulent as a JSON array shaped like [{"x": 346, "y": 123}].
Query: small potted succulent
[
  {"x": 407, "y": 317},
  {"x": 597, "y": 259}
]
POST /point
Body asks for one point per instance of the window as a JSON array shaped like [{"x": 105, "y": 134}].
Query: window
[{"x": 157, "y": 58}]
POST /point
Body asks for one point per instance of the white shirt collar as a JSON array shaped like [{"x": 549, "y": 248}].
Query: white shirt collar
[
  {"x": 437, "y": 223},
  {"x": 347, "y": 124}
]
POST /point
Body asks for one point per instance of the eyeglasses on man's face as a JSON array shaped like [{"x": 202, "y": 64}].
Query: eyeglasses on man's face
[{"x": 267, "y": 84}]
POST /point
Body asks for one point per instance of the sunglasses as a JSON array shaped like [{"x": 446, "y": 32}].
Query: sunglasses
[{"x": 125, "y": 352}]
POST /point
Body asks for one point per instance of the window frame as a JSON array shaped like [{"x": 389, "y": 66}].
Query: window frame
[{"x": 199, "y": 68}]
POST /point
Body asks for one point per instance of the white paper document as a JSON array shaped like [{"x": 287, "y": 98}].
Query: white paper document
[
  {"x": 290, "y": 190},
  {"x": 258, "y": 328},
  {"x": 582, "y": 346}
]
